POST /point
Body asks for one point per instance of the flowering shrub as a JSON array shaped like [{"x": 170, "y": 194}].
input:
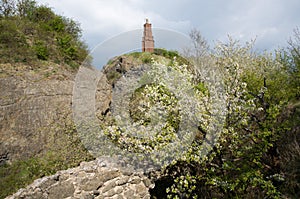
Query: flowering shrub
[
  {"x": 210, "y": 127},
  {"x": 157, "y": 111},
  {"x": 235, "y": 168}
]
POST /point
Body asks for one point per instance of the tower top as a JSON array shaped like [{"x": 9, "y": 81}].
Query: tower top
[{"x": 148, "y": 42}]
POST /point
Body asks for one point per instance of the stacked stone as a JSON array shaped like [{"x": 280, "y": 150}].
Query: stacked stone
[{"x": 98, "y": 179}]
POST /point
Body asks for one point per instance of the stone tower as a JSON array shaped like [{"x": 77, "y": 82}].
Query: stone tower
[{"x": 148, "y": 42}]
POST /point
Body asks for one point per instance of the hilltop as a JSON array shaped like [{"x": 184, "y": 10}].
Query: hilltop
[
  {"x": 38, "y": 135},
  {"x": 32, "y": 32}
]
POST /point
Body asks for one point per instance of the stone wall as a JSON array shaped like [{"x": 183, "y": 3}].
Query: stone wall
[{"x": 98, "y": 179}]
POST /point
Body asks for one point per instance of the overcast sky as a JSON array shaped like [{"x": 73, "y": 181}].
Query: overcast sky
[{"x": 271, "y": 22}]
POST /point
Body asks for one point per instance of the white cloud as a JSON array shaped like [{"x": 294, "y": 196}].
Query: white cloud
[
  {"x": 103, "y": 19},
  {"x": 272, "y": 21}
]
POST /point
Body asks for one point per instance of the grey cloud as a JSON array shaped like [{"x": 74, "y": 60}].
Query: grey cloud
[{"x": 272, "y": 21}]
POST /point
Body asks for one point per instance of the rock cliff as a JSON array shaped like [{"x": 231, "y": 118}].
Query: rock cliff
[
  {"x": 35, "y": 108},
  {"x": 31, "y": 102}
]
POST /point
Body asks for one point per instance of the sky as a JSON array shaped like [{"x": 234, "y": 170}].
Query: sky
[{"x": 269, "y": 22}]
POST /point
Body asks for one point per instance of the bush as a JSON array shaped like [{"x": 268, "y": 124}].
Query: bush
[
  {"x": 10, "y": 36},
  {"x": 13, "y": 44},
  {"x": 42, "y": 14},
  {"x": 41, "y": 50},
  {"x": 241, "y": 164},
  {"x": 64, "y": 151},
  {"x": 18, "y": 174},
  {"x": 145, "y": 57},
  {"x": 166, "y": 53},
  {"x": 33, "y": 32}
]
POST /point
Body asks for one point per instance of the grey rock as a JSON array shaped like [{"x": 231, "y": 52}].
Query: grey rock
[
  {"x": 109, "y": 186},
  {"x": 129, "y": 193},
  {"x": 135, "y": 180},
  {"x": 29, "y": 102},
  {"x": 114, "y": 191},
  {"x": 147, "y": 182},
  {"x": 61, "y": 190},
  {"x": 92, "y": 184},
  {"x": 81, "y": 183},
  {"x": 123, "y": 180}
]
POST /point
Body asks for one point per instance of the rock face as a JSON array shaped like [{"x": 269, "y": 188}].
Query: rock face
[
  {"x": 33, "y": 102},
  {"x": 30, "y": 102},
  {"x": 99, "y": 179}
]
